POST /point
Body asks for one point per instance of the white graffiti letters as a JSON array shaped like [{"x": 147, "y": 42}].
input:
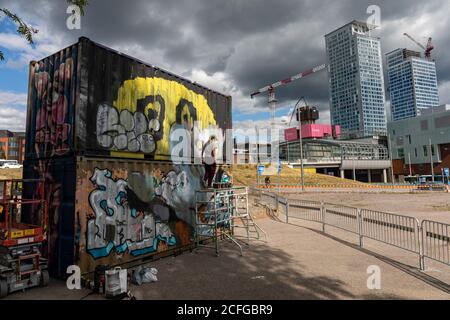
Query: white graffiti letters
[
  {"x": 117, "y": 225},
  {"x": 125, "y": 131}
]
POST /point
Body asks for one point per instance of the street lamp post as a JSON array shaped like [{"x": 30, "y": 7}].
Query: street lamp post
[
  {"x": 288, "y": 157},
  {"x": 257, "y": 156},
  {"x": 302, "y": 180},
  {"x": 431, "y": 162},
  {"x": 409, "y": 162},
  {"x": 390, "y": 156}
]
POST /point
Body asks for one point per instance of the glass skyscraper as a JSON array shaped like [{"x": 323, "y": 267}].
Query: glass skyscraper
[
  {"x": 412, "y": 83},
  {"x": 357, "y": 97}
]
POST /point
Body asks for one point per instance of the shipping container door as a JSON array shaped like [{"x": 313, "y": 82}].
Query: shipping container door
[{"x": 59, "y": 175}]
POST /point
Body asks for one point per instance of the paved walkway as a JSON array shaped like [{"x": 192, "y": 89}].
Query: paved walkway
[{"x": 295, "y": 263}]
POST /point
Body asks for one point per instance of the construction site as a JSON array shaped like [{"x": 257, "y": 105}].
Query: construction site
[{"x": 128, "y": 190}]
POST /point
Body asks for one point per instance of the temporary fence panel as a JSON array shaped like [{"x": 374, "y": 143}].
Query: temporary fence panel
[
  {"x": 256, "y": 194},
  {"x": 306, "y": 210},
  {"x": 428, "y": 239},
  {"x": 396, "y": 230},
  {"x": 342, "y": 217},
  {"x": 436, "y": 241},
  {"x": 269, "y": 199},
  {"x": 283, "y": 206}
]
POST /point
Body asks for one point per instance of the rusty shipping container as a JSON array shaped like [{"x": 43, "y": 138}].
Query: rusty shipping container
[{"x": 98, "y": 128}]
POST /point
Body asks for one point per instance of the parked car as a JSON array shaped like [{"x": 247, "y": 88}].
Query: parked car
[{"x": 10, "y": 164}]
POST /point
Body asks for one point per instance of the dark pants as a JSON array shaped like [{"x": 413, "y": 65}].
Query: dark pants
[{"x": 210, "y": 170}]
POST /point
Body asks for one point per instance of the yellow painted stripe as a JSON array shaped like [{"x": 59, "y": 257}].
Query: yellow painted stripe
[{"x": 131, "y": 155}]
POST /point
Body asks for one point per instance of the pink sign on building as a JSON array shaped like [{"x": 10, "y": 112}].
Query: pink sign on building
[
  {"x": 312, "y": 131},
  {"x": 291, "y": 134}
]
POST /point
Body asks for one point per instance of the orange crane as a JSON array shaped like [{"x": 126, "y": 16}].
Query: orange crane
[{"x": 427, "y": 49}]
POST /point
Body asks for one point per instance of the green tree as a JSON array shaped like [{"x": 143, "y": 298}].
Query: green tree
[{"x": 27, "y": 31}]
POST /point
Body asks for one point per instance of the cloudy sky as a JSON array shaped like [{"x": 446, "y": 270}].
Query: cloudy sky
[{"x": 233, "y": 46}]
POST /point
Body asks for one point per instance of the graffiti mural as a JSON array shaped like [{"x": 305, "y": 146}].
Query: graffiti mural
[
  {"x": 144, "y": 113},
  {"x": 91, "y": 110},
  {"x": 122, "y": 224},
  {"x": 52, "y": 89},
  {"x": 137, "y": 213},
  {"x": 126, "y": 131},
  {"x": 178, "y": 188}
]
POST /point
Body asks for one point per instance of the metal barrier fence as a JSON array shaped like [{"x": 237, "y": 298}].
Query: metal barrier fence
[
  {"x": 435, "y": 241},
  {"x": 269, "y": 199},
  {"x": 305, "y": 210},
  {"x": 429, "y": 239},
  {"x": 283, "y": 204},
  {"x": 342, "y": 217},
  {"x": 393, "y": 229}
]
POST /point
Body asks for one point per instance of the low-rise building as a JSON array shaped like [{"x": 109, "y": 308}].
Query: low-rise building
[
  {"x": 12, "y": 145},
  {"x": 364, "y": 160},
  {"x": 251, "y": 153},
  {"x": 421, "y": 143}
]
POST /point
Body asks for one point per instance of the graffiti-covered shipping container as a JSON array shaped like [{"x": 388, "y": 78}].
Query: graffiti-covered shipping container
[
  {"x": 98, "y": 128},
  {"x": 88, "y": 99},
  {"x": 111, "y": 211}
]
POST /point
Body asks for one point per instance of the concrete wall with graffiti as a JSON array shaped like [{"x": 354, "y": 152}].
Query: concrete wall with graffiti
[{"x": 129, "y": 209}]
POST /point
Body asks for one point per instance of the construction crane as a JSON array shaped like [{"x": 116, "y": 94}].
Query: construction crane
[
  {"x": 427, "y": 49},
  {"x": 271, "y": 88}
]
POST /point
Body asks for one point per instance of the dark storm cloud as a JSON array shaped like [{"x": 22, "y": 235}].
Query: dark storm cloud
[
  {"x": 231, "y": 19},
  {"x": 253, "y": 42}
]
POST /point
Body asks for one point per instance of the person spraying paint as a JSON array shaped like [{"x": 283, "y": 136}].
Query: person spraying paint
[
  {"x": 209, "y": 160},
  {"x": 223, "y": 178}
]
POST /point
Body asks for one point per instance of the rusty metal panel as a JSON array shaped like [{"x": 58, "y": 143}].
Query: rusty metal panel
[
  {"x": 91, "y": 100},
  {"x": 128, "y": 210}
]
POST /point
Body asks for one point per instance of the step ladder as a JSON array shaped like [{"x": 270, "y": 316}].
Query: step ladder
[{"x": 242, "y": 214}]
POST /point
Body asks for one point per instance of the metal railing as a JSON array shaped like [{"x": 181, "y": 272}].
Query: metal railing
[
  {"x": 428, "y": 239},
  {"x": 435, "y": 241},
  {"x": 305, "y": 210},
  {"x": 393, "y": 229},
  {"x": 269, "y": 199},
  {"x": 342, "y": 217}
]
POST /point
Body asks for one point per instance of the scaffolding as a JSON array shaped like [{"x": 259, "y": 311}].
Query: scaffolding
[{"x": 218, "y": 212}]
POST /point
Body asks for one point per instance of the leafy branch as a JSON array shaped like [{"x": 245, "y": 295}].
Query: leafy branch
[
  {"x": 80, "y": 3},
  {"x": 27, "y": 31},
  {"x": 23, "y": 28}
]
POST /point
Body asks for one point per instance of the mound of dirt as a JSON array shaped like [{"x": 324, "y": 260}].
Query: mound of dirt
[{"x": 247, "y": 174}]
